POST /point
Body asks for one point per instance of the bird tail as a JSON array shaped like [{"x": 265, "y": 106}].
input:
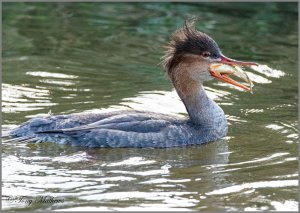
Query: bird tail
[{"x": 32, "y": 139}]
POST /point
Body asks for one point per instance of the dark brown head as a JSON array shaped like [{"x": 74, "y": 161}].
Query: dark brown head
[{"x": 189, "y": 46}]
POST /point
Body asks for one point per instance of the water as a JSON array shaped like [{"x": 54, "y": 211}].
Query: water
[{"x": 76, "y": 57}]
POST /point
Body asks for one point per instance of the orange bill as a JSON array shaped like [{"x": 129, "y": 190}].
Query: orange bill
[{"x": 226, "y": 78}]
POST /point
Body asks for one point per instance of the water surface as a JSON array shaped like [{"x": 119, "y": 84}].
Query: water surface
[{"x": 75, "y": 57}]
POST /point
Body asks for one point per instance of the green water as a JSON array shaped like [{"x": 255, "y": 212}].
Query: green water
[{"x": 76, "y": 57}]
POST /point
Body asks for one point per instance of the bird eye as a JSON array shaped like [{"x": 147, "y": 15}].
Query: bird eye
[{"x": 206, "y": 54}]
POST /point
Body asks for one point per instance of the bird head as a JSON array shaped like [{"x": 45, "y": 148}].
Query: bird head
[{"x": 194, "y": 53}]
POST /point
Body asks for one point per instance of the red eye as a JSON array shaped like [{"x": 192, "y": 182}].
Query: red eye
[{"x": 206, "y": 54}]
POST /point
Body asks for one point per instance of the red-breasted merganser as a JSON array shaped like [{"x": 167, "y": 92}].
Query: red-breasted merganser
[{"x": 188, "y": 62}]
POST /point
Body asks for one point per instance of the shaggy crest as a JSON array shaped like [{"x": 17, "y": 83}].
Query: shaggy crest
[{"x": 188, "y": 40}]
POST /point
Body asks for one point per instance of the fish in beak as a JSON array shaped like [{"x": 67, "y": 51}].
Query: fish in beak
[{"x": 227, "y": 66}]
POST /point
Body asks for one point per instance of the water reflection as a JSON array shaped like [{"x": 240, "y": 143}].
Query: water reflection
[
  {"x": 104, "y": 171},
  {"x": 17, "y": 98},
  {"x": 247, "y": 186},
  {"x": 51, "y": 75},
  {"x": 268, "y": 71}
]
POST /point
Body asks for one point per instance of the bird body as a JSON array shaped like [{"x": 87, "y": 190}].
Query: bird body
[
  {"x": 187, "y": 63},
  {"x": 125, "y": 128}
]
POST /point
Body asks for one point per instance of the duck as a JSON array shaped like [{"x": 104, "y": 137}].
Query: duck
[{"x": 187, "y": 62}]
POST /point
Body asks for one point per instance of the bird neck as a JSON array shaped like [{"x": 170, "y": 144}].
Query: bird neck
[{"x": 202, "y": 110}]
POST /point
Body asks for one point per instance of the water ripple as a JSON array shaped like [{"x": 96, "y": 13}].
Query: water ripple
[
  {"x": 268, "y": 71},
  {"x": 50, "y": 75},
  {"x": 254, "y": 185},
  {"x": 22, "y": 98}
]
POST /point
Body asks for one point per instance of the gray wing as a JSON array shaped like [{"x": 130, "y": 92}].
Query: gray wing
[
  {"x": 128, "y": 130},
  {"x": 126, "y": 122}
]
